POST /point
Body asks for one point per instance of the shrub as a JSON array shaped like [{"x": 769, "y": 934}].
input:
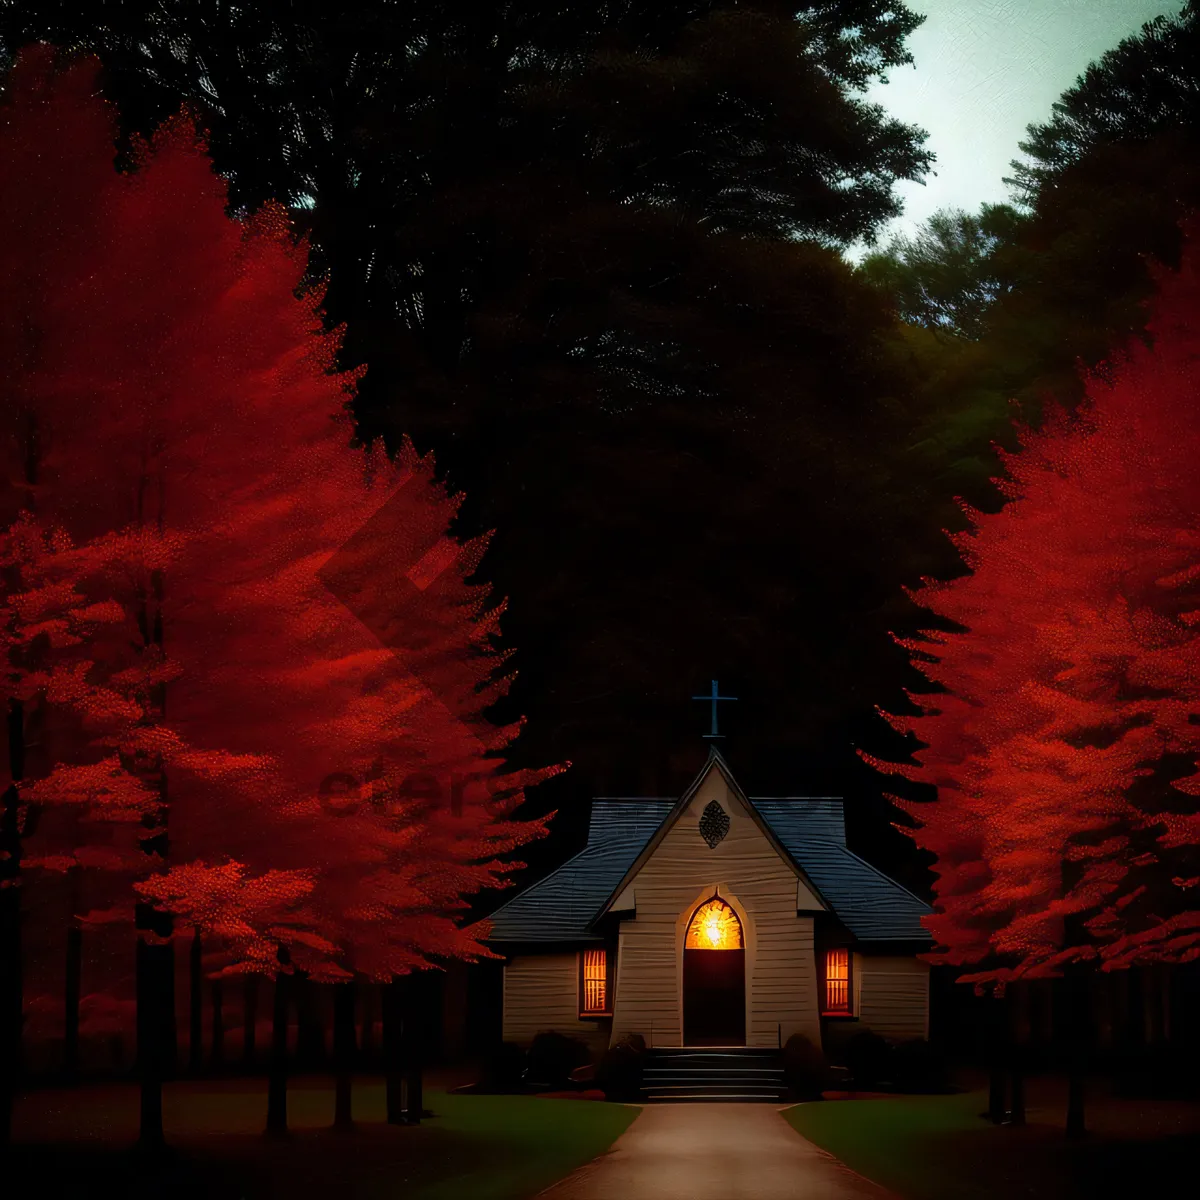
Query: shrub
[
  {"x": 868, "y": 1057},
  {"x": 805, "y": 1070},
  {"x": 919, "y": 1067},
  {"x": 552, "y": 1057},
  {"x": 620, "y": 1072},
  {"x": 502, "y": 1069}
]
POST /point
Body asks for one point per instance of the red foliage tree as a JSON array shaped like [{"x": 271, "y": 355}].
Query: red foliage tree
[
  {"x": 184, "y": 398},
  {"x": 46, "y": 623},
  {"x": 1063, "y": 743},
  {"x": 59, "y": 205},
  {"x": 1063, "y": 746}
]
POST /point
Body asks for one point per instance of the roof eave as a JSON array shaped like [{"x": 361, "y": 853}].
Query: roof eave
[{"x": 512, "y": 946}]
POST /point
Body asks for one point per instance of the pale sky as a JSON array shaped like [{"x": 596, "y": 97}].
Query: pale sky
[{"x": 985, "y": 69}]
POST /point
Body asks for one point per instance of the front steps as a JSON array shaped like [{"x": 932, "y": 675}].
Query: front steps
[{"x": 713, "y": 1073}]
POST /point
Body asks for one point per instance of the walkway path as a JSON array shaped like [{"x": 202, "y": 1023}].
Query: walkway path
[{"x": 713, "y": 1152}]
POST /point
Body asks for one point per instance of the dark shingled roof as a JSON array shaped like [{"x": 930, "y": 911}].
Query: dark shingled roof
[
  {"x": 561, "y": 907},
  {"x": 872, "y": 906}
]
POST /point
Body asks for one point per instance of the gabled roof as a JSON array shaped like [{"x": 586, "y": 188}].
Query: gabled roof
[
  {"x": 562, "y": 905},
  {"x": 715, "y": 763},
  {"x": 871, "y": 905},
  {"x": 809, "y": 832},
  {"x": 804, "y": 818}
]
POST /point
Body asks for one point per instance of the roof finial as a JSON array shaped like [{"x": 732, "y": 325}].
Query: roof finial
[{"x": 712, "y": 698}]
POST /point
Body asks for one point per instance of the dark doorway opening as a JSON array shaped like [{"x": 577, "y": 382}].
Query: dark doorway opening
[
  {"x": 714, "y": 997},
  {"x": 714, "y": 977}
]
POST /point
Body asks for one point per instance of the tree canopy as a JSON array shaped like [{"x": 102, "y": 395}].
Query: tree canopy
[
  {"x": 1143, "y": 87},
  {"x": 1062, "y": 737},
  {"x": 196, "y": 551},
  {"x": 1002, "y": 306},
  {"x": 949, "y": 274},
  {"x": 625, "y": 338}
]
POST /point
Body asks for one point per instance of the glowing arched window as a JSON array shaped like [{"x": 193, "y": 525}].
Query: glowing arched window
[{"x": 714, "y": 927}]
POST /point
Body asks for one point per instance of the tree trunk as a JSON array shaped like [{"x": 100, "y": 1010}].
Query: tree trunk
[
  {"x": 1151, "y": 1006},
  {"x": 218, "y": 1026},
  {"x": 393, "y": 1047},
  {"x": 1077, "y": 981},
  {"x": 415, "y": 1100},
  {"x": 277, "y": 1080},
  {"x": 997, "y": 1020},
  {"x": 367, "y": 994},
  {"x": 153, "y": 962},
  {"x": 1165, "y": 974},
  {"x": 1076, "y": 1125},
  {"x": 1134, "y": 1031},
  {"x": 413, "y": 1032},
  {"x": 157, "y": 1049},
  {"x": 1017, "y": 1113},
  {"x": 454, "y": 1010},
  {"x": 12, "y": 1003},
  {"x": 1044, "y": 1018},
  {"x": 310, "y": 1030},
  {"x": 1103, "y": 1009},
  {"x": 155, "y": 991},
  {"x": 196, "y": 1005},
  {"x": 344, "y": 1053},
  {"x": 170, "y": 1032},
  {"x": 1177, "y": 992},
  {"x": 74, "y": 979},
  {"x": 250, "y": 987},
  {"x": 1017, "y": 996}
]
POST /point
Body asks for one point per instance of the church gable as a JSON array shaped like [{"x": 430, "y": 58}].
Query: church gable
[
  {"x": 716, "y": 847},
  {"x": 715, "y": 835},
  {"x": 724, "y": 915},
  {"x": 714, "y": 826}
]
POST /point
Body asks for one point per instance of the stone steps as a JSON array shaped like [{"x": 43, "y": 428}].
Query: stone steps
[{"x": 733, "y": 1074}]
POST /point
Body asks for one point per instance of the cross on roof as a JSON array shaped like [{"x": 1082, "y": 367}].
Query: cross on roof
[{"x": 713, "y": 697}]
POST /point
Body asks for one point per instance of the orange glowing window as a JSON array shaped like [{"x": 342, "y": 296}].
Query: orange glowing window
[
  {"x": 837, "y": 981},
  {"x": 714, "y": 926},
  {"x": 593, "y": 987}
]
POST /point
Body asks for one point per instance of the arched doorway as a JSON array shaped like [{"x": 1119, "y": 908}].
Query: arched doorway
[{"x": 714, "y": 977}]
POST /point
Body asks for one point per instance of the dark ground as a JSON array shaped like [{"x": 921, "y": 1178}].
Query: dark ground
[{"x": 78, "y": 1144}]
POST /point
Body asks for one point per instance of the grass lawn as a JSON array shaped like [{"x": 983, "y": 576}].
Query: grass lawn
[
  {"x": 76, "y": 1144},
  {"x": 938, "y": 1148}
]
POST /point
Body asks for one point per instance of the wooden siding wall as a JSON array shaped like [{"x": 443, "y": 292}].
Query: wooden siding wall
[
  {"x": 683, "y": 871},
  {"x": 541, "y": 993},
  {"x": 892, "y": 995}
]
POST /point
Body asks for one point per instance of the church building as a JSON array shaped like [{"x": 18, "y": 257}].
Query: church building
[{"x": 714, "y": 919}]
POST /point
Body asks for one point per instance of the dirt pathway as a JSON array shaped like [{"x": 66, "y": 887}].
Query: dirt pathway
[{"x": 713, "y": 1152}]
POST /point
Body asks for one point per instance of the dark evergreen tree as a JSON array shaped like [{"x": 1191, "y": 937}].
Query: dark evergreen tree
[
  {"x": 591, "y": 254},
  {"x": 949, "y": 274},
  {"x": 1103, "y": 186},
  {"x": 1143, "y": 87},
  {"x": 457, "y": 170}
]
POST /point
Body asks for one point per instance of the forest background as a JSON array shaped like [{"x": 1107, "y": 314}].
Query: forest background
[{"x": 709, "y": 444}]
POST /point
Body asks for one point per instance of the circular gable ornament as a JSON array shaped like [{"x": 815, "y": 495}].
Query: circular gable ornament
[{"x": 714, "y": 823}]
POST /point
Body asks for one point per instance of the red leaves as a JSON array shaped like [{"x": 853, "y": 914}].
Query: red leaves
[
  {"x": 1071, "y": 681},
  {"x": 239, "y": 605},
  {"x": 252, "y": 915},
  {"x": 105, "y": 787}
]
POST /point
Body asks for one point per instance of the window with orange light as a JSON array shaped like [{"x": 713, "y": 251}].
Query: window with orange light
[
  {"x": 837, "y": 982},
  {"x": 594, "y": 992}
]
